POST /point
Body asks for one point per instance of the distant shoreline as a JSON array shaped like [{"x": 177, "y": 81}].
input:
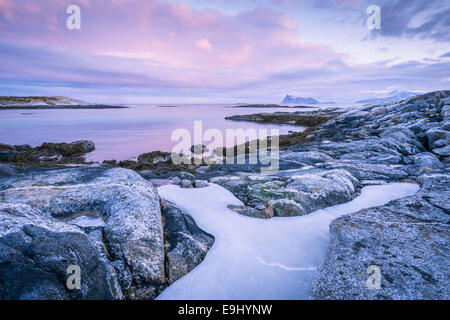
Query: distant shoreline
[
  {"x": 43, "y": 102},
  {"x": 96, "y": 106},
  {"x": 272, "y": 106}
]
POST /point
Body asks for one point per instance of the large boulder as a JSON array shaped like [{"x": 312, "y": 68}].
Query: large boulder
[
  {"x": 401, "y": 139},
  {"x": 36, "y": 233},
  {"x": 297, "y": 193},
  {"x": 34, "y": 258},
  {"x": 406, "y": 239}
]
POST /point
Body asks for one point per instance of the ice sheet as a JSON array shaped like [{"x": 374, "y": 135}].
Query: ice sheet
[{"x": 261, "y": 259}]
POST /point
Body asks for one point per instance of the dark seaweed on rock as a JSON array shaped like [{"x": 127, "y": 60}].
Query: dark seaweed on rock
[{"x": 47, "y": 155}]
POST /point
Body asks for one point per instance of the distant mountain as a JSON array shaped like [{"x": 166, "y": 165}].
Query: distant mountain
[
  {"x": 294, "y": 99},
  {"x": 390, "y": 97}
]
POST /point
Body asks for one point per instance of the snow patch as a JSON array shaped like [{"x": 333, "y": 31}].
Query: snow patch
[
  {"x": 236, "y": 266},
  {"x": 85, "y": 221}
]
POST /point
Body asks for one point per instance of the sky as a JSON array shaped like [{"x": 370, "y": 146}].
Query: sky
[{"x": 223, "y": 51}]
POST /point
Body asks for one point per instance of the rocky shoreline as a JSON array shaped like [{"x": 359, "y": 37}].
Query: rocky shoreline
[
  {"x": 146, "y": 244},
  {"x": 299, "y": 118}
]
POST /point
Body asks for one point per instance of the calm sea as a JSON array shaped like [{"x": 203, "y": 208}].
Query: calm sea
[{"x": 123, "y": 133}]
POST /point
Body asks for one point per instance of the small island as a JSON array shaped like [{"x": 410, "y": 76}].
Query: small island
[
  {"x": 41, "y": 102},
  {"x": 300, "y": 118}
]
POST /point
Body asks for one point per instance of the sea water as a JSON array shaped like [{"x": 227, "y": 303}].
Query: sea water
[{"x": 122, "y": 134}]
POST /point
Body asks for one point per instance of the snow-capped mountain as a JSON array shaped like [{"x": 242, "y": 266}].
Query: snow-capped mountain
[{"x": 390, "y": 97}]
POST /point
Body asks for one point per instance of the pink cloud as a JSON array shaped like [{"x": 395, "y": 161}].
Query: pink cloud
[
  {"x": 203, "y": 44},
  {"x": 232, "y": 59},
  {"x": 167, "y": 35},
  {"x": 6, "y": 9}
]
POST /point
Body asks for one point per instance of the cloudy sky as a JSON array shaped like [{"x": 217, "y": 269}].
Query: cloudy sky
[{"x": 200, "y": 51}]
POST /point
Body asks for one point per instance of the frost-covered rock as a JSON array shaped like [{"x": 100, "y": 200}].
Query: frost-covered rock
[
  {"x": 445, "y": 112},
  {"x": 369, "y": 150},
  {"x": 438, "y": 138},
  {"x": 407, "y": 239},
  {"x": 186, "y": 243},
  {"x": 299, "y": 159},
  {"x": 369, "y": 171},
  {"x": 435, "y": 189},
  {"x": 35, "y": 254},
  {"x": 185, "y": 183},
  {"x": 445, "y": 125},
  {"x": 292, "y": 195},
  {"x": 38, "y": 206},
  {"x": 426, "y": 159},
  {"x": 9, "y": 170},
  {"x": 445, "y": 151},
  {"x": 266, "y": 213},
  {"x": 200, "y": 184},
  {"x": 409, "y": 144}
]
